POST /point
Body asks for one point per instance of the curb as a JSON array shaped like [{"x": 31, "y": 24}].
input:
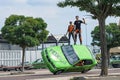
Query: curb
[
  {"x": 97, "y": 78},
  {"x": 20, "y": 73}
]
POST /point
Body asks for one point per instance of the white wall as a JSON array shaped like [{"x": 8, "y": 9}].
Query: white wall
[
  {"x": 14, "y": 57},
  {"x": 32, "y": 55}
]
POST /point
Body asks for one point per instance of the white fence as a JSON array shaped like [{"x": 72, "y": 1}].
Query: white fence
[{"x": 14, "y": 57}]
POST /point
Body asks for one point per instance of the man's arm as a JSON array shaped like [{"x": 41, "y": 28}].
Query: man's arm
[{"x": 84, "y": 21}]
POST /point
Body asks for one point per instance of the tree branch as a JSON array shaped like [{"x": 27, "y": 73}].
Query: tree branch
[{"x": 107, "y": 9}]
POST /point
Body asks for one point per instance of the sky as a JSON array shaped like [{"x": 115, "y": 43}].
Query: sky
[{"x": 57, "y": 18}]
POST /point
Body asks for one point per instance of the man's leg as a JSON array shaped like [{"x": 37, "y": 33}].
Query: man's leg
[
  {"x": 80, "y": 37},
  {"x": 69, "y": 38},
  {"x": 75, "y": 38}
]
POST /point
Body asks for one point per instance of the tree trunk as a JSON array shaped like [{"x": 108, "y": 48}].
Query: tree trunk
[
  {"x": 104, "y": 64},
  {"x": 108, "y": 55},
  {"x": 23, "y": 58}
]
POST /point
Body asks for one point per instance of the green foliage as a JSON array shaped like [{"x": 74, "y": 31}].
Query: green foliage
[
  {"x": 112, "y": 35},
  {"x": 76, "y": 78},
  {"x": 95, "y": 34},
  {"x": 24, "y": 31},
  {"x": 96, "y": 7}
]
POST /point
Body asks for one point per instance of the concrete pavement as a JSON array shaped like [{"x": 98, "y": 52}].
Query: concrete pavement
[
  {"x": 44, "y": 74},
  {"x": 27, "y": 72}
]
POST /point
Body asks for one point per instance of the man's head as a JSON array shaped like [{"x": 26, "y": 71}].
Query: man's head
[
  {"x": 70, "y": 22},
  {"x": 77, "y": 17}
]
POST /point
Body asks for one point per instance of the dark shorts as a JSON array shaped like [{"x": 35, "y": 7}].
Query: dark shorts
[{"x": 78, "y": 31}]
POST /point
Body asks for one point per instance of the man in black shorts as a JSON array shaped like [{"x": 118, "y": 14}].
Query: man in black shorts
[{"x": 77, "y": 24}]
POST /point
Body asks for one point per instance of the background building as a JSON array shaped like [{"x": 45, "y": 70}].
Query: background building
[{"x": 11, "y": 55}]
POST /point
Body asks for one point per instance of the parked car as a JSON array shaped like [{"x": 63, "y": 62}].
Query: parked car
[
  {"x": 38, "y": 64},
  {"x": 68, "y": 58},
  {"x": 115, "y": 60},
  {"x": 115, "y": 57},
  {"x": 27, "y": 65}
]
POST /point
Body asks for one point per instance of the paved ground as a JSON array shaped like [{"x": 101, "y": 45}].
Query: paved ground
[{"x": 44, "y": 74}]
